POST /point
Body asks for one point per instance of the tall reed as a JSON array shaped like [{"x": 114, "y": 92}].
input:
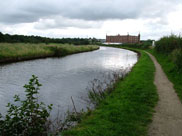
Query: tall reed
[{"x": 23, "y": 51}]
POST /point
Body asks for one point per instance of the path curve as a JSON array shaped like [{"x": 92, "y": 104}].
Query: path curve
[{"x": 167, "y": 120}]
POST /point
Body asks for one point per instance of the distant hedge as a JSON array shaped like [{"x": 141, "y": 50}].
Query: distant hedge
[
  {"x": 142, "y": 45},
  {"x": 38, "y": 39}
]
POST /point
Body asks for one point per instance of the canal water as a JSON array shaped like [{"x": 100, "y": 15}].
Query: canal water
[{"x": 62, "y": 77}]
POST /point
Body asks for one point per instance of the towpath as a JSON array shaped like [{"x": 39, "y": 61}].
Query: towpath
[{"x": 167, "y": 119}]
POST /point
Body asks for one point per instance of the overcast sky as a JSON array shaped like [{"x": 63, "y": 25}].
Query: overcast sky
[{"x": 91, "y": 18}]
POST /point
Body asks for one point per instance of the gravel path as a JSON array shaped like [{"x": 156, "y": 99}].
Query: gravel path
[{"x": 167, "y": 120}]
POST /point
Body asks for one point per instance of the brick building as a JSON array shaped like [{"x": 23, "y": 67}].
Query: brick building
[{"x": 123, "y": 39}]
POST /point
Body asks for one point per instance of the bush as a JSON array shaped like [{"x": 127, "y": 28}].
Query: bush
[
  {"x": 30, "y": 117},
  {"x": 171, "y": 46},
  {"x": 177, "y": 59},
  {"x": 168, "y": 43}
]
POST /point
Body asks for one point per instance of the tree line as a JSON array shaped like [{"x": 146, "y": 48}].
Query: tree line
[{"x": 38, "y": 39}]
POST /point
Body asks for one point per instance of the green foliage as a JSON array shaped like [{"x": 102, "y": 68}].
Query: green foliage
[
  {"x": 177, "y": 59},
  {"x": 171, "y": 47},
  {"x": 168, "y": 43},
  {"x": 38, "y": 39},
  {"x": 62, "y": 50},
  {"x": 142, "y": 45},
  {"x": 28, "y": 117},
  {"x": 127, "y": 111}
]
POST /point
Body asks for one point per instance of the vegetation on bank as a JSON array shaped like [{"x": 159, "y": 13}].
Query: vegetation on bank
[
  {"x": 142, "y": 45},
  {"x": 168, "y": 52},
  {"x": 27, "y": 117},
  {"x": 10, "y": 52},
  {"x": 38, "y": 39},
  {"x": 168, "y": 44},
  {"x": 127, "y": 110},
  {"x": 171, "y": 47}
]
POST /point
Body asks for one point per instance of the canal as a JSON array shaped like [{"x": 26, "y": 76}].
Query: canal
[{"x": 62, "y": 77}]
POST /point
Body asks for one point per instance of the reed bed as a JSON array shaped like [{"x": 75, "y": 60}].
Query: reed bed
[{"x": 23, "y": 51}]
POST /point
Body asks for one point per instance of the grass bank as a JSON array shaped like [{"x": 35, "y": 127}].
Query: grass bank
[
  {"x": 127, "y": 111},
  {"x": 170, "y": 69},
  {"x": 10, "y": 52}
]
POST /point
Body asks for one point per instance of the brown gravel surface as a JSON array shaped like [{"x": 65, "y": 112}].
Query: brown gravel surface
[{"x": 167, "y": 119}]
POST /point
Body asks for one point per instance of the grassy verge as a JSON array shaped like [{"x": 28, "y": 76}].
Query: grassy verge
[
  {"x": 127, "y": 110},
  {"x": 21, "y": 51},
  {"x": 169, "y": 68}
]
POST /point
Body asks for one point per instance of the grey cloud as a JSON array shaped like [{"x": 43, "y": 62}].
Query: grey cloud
[
  {"x": 18, "y": 18},
  {"x": 62, "y": 22},
  {"x": 23, "y": 11}
]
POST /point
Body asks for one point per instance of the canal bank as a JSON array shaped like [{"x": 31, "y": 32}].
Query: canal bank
[
  {"x": 15, "y": 52},
  {"x": 127, "y": 110}
]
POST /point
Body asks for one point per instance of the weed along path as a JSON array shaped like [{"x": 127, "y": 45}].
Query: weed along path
[{"x": 167, "y": 120}]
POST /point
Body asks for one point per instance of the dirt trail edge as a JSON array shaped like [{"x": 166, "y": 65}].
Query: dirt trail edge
[{"x": 167, "y": 120}]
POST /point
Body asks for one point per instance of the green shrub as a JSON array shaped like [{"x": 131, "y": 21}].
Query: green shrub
[
  {"x": 168, "y": 43},
  {"x": 29, "y": 118},
  {"x": 171, "y": 46},
  {"x": 177, "y": 58}
]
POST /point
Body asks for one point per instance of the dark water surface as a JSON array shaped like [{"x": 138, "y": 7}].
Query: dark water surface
[{"x": 62, "y": 77}]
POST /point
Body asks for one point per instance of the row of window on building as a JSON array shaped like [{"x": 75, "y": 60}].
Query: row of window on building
[{"x": 123, "y": 39}]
